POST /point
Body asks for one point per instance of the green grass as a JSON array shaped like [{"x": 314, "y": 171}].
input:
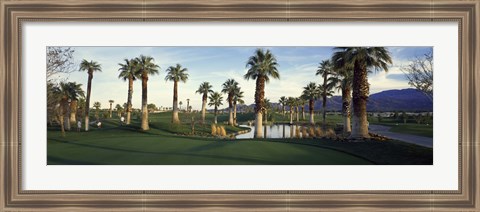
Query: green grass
[
  {"x": 410, "y": 127},
  {"x": 166, "y": 144}
]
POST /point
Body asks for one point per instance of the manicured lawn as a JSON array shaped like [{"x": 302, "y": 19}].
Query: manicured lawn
[{"x": 166, "y": 144}]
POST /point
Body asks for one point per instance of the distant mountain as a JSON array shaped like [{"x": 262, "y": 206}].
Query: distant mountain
[
  {"x": 409, "y": 100},
  {"x": 390, "y": 100}
]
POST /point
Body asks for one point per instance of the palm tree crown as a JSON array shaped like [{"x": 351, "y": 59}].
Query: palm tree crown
[
  {"x": 205, "y": 88},
  {"x": 90, "y": 67},
  {"x": 128, "y": 70},
  {"x": 176, "y": 74}
]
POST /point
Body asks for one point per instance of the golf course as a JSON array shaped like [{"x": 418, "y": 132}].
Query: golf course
[
  {"x": 255, "y": 106},
  {"x": 166, "y": 144}
]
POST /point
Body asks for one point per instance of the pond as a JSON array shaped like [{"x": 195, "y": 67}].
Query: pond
[{"x": 273, "y": 131}]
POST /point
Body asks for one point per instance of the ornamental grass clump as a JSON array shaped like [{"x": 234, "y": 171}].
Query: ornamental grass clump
[
  {"x": 304, "y": 132},
  {"x": 224, "y": 132},
  {"x": 214, "y": 130},
  {"x": 297, "y": 132},
  {"x": 311, "y": 132},
  {"x": 318, "y": 132},
  {"x": 331, "y": 134}
]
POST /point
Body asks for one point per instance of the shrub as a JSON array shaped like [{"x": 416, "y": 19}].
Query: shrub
[
  {"x": 224, "y": 132},
  {"x": 311, "y": 132},
  {"x": 318, "y": 132},
  {"x": 304, "y": 132},
  {"x": 214, "y": 130},
  {"x": 331, "y": 133},
  {"x": 219, "y": 131},
  {"x": 297, "y": 132}
]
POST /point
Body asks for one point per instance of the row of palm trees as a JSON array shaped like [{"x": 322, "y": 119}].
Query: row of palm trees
[{"x": 346, "y": 70}]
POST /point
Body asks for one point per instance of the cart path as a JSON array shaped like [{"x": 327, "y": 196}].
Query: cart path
[{"x": 414, "y": 139}]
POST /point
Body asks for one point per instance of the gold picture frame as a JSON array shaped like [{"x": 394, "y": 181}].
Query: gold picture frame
[{"x": 14, "y": 12}]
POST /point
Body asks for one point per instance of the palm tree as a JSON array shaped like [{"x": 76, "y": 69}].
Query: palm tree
[
  {"x": 74, "y": 92},
  {"x": 229, "y": 88},
  {"x": 188, "y": 105},
  {"x": 97, "y": 106},
  {"x": 283, "y": 102},
  {"x": 216, "y": 100},
  {"x": 344, "y": 72},
  {"x": 237, "y": 98},
  {"x": 205, "y": 88},
  {"x": 261, "y": 66},
  {"x": 90, "y": 67},
  {"x": 312, "y": 93},
  {"x": 128, "y": 71},
  {"x": 302, "y": 102},
  {"x": 119, "y": 110},
  {"x": 291, "y": 104},
  {"x": 297, "y": 104},
  {"x": 111, "y": 102},
  {"x": 65, "y": 90},
  {"x": 145, "y": 66},
  {"x": 363, "y": 59},
  {"x": 266, "y": 108},
  {"x": 325, "y": 70},
  {"x": 176, "y": 74}
]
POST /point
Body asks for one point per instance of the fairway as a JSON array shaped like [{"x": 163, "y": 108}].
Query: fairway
[
  {"x": 167, "y": 144},
  {"x": 120, "y": 147}
]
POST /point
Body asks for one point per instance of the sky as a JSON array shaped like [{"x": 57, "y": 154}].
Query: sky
[{"x": 297, "y": 67}]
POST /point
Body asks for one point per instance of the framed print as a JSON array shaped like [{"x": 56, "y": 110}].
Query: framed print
[{"x": 234, "y": 105}]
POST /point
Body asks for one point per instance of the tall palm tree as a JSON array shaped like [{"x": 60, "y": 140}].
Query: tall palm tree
[
  {"x": 128, "y": 71},
  {"x": 363, "y": 59},
  {"x": 312, "y": 93},
  {"x": 261, "y": 67},
  {"x": 283, "y": 102},
  {"x": 90, "y": 67},
  {"x": 325, "y": 70},
  {"x": 110, "y": 111},
  {"x": 229, "y": 88},
  {"x": 237, "y": 98},
  {"x": 145, "y": 66},
  {"x": 344, "y": 72},
  {"x": 176, "y": 74},
  {"x": 205, "y": 88},
  {"x": 216, "y": 100},
  {"x": 291, "y": 104},
  {"x": 65, "y": 92}
]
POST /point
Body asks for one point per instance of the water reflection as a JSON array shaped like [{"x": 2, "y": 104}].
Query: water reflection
[{"x": 274, "y": 131}]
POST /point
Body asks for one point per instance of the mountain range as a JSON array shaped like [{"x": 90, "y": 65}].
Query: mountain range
[{"x": 409, "y": 100}]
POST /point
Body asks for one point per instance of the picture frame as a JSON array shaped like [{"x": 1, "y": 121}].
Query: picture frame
[{"x": 14, "y": 13}]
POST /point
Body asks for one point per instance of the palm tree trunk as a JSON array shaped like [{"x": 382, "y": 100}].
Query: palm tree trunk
[
  {"x": 144, "y": 102},
  {"x": 283, "y": 110},
  {"x": 259, "y": 96},
  {"x": 110, "y": 110},
  {"x": 324, "y": 107},
  {"x": 266, "y": 116},
  {"x": 215, "y": 112},
  {"x": 303, "y": 112},
  {"x": 73, "y": 112},
  {"x": 66, "y": 113},
  {"x": 129, "y": 98},
  {"x": 297, "y": 113},
  {"x": 175, "y": 118},
  {"x": 360, "y": 98},
  {"x": 87, "y": 101},
  {"x": 230, "y": 110},
  {"x": 346, "y": 111},
  {"x": 310, "y": 107},
  {"x": 234, "y": 113},
  {"x": 291, "y": 115},
  {"x": 204, "y": 107}
]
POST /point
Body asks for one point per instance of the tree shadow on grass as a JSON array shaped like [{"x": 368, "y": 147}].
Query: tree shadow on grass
[
  {"x": 52, "y": 160},
  {"x": 250, "y": 160}
]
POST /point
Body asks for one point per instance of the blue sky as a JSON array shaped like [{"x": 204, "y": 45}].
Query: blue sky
[{"x": 297, "y": 67}]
